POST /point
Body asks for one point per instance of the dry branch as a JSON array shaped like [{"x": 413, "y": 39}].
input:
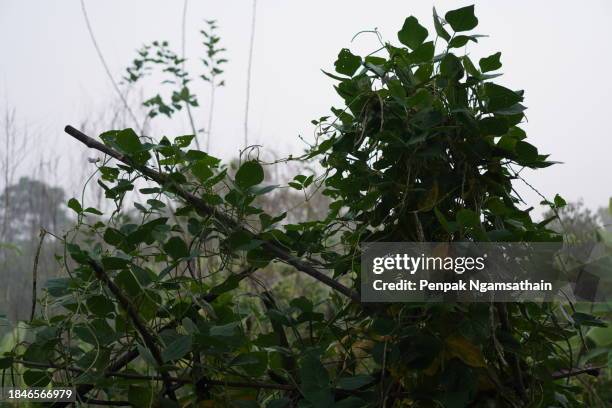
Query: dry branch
[
  {"x": 142, "y": 329},
  {"x": 272, "y": 248}
]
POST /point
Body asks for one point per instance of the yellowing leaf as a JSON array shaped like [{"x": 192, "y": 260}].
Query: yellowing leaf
[
  {"x": 362, "y": 348},
  {"x": 470, "y": 354},
  {"x": 433, "y": 367},
  {"x": 430, "y": 199}
]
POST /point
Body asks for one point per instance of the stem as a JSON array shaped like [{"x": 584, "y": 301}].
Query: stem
[
  {"x": 269, "y": 246},
  {"x": 248, "y": 83},
  {"x": 187, "y": 106},
  {"x": 140, "y": 326},
  {"x": 210, "y": 114},
  {"x": 43, "y": 233},
  {"x": 103, "y": 61}
]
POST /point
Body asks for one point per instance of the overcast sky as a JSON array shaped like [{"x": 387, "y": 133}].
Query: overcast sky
[{"x": 558, "y": 51}]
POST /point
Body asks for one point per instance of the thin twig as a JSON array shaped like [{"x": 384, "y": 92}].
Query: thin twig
[
  {"x": 248, "y": 82},
  {"x": 177, "y": 380},
  {"x": 103, "y": 61},
  {"x": 594, "y": 371}
]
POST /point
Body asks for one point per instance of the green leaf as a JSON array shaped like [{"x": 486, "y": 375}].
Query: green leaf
[
  {"x": 559, "y": 201},
  {"x": 354, "y": 382},
  {"x": 451, "y": 67},
  {"x": 113, "y": 263},
  {"x": 526, "y": 152},
  {"x": 183, "y": 141},
  {"x": 347, "y": 63},
  {"x": 36, "y": 378},
  {"x": 468, "y": 218},
  {"x": 333, "y": 76},
  {"x": 602, "y": 337},
  {"x": 156, "y": 204},
  {"x": 424, "y": 53},
  {"x": 440, "y": 30},
  {"x": 176, "y": 248},
  {"x": 462, "y": 19},
  {"x": 196, "y": 155},
  {"x": 249, "y": 174},
  {"x": 449, "y": 227},
  {"x": 74, "y": 204},
  {"x": 421, "y": 99},
  {"x": 177, "y": 349},
  {"x": 141, "y": 396},
  {"x": 231, "y": 283},
  {"x": 460, "y": 40},
  {"x": 150, "y": 190},
  {"x": 258, "y": 258},
  {"x": 109, "y": 173},
  {"x": 113, "y": 237},
  {"x": 253, "y": 363},
  {"x": 92, "y": 210},
  {"x": 201, "y": 169},
  {"x": 490, "y": 63},
  {"x": 127, "y": 281},
  {"x": 495, "y": 126},
  {"x": 98, "y": 332},
  {"x": 58, "y": 287},
  {"x": 500, "y": 97},
  {"x": 263, "y": 189},
  {"x": 35, "y": 353},
  {"x": 585, "y": 319},
  {"x": 127, "y": 140},
  {"x": 100, "y": 305},
  {"x": 6, "y": 362},
  {"x": 226, "y": 330},
  {"x": 146, "y": 355},
  {"x": 315, "y": 382},
  {"x": 412, "y": 33}
]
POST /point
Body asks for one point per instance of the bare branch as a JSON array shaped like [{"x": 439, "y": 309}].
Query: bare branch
[
  {"x": 129, "y": 308},
  {"x": 272, "y": 248},
  {"x": 593, "y": 371}
]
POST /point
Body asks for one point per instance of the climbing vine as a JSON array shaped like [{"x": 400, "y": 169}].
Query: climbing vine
[{"x": 171, "y": 301}]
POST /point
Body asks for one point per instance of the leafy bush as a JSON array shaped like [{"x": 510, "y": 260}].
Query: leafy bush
[{"x": 171, "y": 307}]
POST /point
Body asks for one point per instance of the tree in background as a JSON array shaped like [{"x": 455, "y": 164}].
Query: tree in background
[{"x": 27, "y": 208}]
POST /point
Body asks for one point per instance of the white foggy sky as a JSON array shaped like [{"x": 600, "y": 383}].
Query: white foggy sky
[{"x": 558, "y": 51}]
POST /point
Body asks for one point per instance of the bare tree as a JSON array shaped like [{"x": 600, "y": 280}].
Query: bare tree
[{"x": 15, "y": 150}]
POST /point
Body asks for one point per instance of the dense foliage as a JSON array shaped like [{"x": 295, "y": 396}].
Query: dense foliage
[{"x": 173, "y": 305}]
